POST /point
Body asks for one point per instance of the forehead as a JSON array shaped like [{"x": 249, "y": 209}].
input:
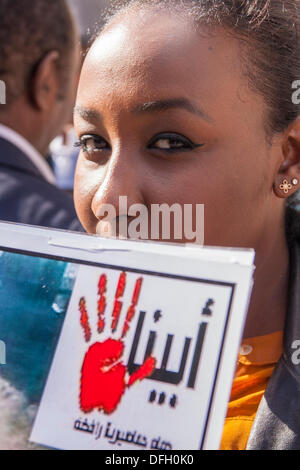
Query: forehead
[{"x": 154, "y": 55}]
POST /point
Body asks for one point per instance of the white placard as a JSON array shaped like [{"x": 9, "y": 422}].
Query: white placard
[{"x": 186, "y": 317}]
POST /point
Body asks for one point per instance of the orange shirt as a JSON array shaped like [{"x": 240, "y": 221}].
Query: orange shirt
[{"x": 257, "y": 359}]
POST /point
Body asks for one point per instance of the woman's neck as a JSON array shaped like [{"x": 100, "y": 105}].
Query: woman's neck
[{"x": 268, "y": 305}]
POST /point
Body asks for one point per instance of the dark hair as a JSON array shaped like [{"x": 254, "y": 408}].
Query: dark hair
[
  {"x": 270, "y": 45},
  {"x": 28, "y": 31}
]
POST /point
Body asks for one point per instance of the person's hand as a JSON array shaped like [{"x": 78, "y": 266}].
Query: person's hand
[{"x": 104, "y": 377}]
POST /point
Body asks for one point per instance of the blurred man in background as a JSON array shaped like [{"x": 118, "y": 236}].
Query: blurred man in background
[
  {"x": 63, "y": 159},
  {"x": 39, "y": 64}
]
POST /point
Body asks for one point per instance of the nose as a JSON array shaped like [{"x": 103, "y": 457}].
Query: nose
[{"x": 122, "y": 179}]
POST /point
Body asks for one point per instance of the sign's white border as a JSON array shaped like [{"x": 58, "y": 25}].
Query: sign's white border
[{"x": 90, "y": 250}]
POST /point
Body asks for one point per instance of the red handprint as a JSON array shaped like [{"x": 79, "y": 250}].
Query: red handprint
[{"x": 103, "y": 374}]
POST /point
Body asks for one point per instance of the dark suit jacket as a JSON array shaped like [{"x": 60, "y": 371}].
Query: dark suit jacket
[{"x": 27, "y": 198}]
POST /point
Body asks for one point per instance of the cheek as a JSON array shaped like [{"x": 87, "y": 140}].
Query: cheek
[
  {"x": 83, "y": 196},
  {"x": 234, "y": 195},
  {"x": 235, "y": 212}
]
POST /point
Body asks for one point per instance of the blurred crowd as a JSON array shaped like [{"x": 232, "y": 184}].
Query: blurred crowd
[{"x": 42, "y": 50}]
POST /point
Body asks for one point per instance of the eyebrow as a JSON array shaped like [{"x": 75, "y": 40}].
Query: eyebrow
[
  {"x": 88, "y": 114},
  {"x": 172, "y": 103},
  {"x": 151, "y": 106}
]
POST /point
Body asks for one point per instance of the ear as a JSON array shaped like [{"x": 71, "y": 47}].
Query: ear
[
  {"x": 45, "y": 83},
  {"x": 287, "y": 180}
]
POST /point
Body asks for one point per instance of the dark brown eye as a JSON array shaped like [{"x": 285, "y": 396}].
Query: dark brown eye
[
  {"x": 91, "y": 144},
  {"x": 172, "y": 143},
  {"x": 168, "y": 144}
]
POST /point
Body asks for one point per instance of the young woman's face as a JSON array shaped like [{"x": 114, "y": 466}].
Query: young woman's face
[{"x": 167, "y": 117}]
